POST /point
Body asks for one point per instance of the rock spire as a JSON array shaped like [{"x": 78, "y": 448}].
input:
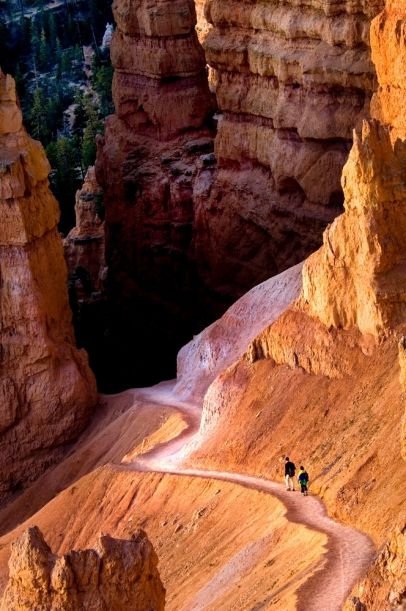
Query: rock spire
[
  {"x": 46, "y": 386},
  {"x": 358, "y": 277},
  {"x": 117, "y": 575}
]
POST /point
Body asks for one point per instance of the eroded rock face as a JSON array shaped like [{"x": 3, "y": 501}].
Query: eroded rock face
[
  {"x": 156, "y": 154},
  {"x": 357, "y": 278},
  {"x": 160, "y": 85},
  {"x": 84, "y": 245},
  {"x": 384, "y": 588},
  {"x": 292, "y": 80},
  {"x": 46, "y": 386},
  {"x": 202, "y": 26},
  {"x": 117, "y": 575}
]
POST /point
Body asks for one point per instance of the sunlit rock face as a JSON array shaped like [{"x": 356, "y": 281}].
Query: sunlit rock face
[
  {"x": 117, "y": 574},
  {"x": 157, "y": 154},
  {"x": 46, "y": 386},
  {"x": 202, "y": 25},
  {"x": 292, "y": 80},
  {"x": 358, "y": 277}
]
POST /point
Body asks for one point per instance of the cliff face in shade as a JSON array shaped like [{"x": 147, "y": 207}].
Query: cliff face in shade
[
  {"x": 160, "y": 85},
  {"x": 358, "y": 277},
  {"x": 292, "y": 80},
  {"x": 84, "y": 245},
  {"x": 46, "y": 386},
  {"x": 156, "y": 154},
  {"x": 117, "y": 575}
]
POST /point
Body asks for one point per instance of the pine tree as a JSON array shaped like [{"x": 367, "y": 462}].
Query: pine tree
[
  {"x": 38, "y": 116},
  {"x": 43, "y": 51}
]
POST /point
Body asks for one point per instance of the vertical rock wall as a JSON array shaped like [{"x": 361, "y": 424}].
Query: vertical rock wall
[
  {"x": 156, "y": 153},
  {"x": 46, "y": 386},
  {"x": 292, "y": 80}
]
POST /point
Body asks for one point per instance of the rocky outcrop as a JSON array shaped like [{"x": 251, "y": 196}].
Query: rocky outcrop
[
  {"x": 202, "y": 26},
  {"x": 156, "y": 154},
  {"x": 117, "y": 575},
  {"x": 358, "y": 279},
  {"x": 384, "y": 588},
  {"x": 46, "y": 386},
  {"x": 84, "y": 245},
  {"x": 292, "y": 80}
]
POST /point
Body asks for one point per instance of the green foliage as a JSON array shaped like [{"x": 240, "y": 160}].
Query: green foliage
[
  {"x": 38, "y": 116},
  {"x": 101, "y": 81},
  {"x": 66, "y": 176},
  {"x": 41, "y": 45}
]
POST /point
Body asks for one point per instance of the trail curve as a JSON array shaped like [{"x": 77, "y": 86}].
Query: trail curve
[{"x": 349, "y": 552}]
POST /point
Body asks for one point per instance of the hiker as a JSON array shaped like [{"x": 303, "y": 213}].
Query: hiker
[
  {"x": 290, "y": 471},
  {"x": 303, "y": 479}
]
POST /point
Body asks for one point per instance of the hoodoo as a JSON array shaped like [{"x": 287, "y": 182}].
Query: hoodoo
[
  {"x": 292, "y": 80},
  {"x": 117, "y": 574},
  {"x": 84, "y": 245},
  {"x": 46, "y": 386}
]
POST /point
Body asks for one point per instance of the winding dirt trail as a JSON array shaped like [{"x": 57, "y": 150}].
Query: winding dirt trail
[{"x": 349, "y": 552}]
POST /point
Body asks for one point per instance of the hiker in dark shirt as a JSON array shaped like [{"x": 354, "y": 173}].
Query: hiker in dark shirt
[
  {"x": 290, "y": 471},
  {"x": 303, "y": 479}
]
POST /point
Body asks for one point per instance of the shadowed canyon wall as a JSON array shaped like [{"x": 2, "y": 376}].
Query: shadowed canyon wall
[
  {"x": 292, "y": 80},
  {"x": 156, "y": 153},
  {"x": 46, "y": 386},
  {"x": 84, "y": 245}
]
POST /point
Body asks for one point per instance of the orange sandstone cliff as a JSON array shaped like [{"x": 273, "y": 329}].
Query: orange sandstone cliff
[
  {"x": 46, "y": 386},
  {"x": 117, "y": 575},
  {"x": 292, "y": 80}
]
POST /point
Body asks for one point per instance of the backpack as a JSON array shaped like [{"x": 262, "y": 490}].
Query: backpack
[
  {"x": 291, "y": 469},
  {"x": 304, "y": 477}
]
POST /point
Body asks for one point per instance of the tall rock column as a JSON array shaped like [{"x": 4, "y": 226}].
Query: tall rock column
[
  {"x": 292, "y": 80},
  {"x": 155, "y": 156},
  {"x": 46, "y": 386}
]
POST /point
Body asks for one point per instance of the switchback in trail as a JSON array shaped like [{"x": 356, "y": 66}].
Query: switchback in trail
[{"x": 348, "y": 553}]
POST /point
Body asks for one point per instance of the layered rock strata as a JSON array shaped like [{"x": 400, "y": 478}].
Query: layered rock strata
[
  {"x": 46, "y": 386},
  {"x": 117, "y": 575},
  {"x": 292, "y": 80},
  {"x": 84, "y": 245},
  {"x": 358, "y": 278},
  {"x": 156, "y": 154}
]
